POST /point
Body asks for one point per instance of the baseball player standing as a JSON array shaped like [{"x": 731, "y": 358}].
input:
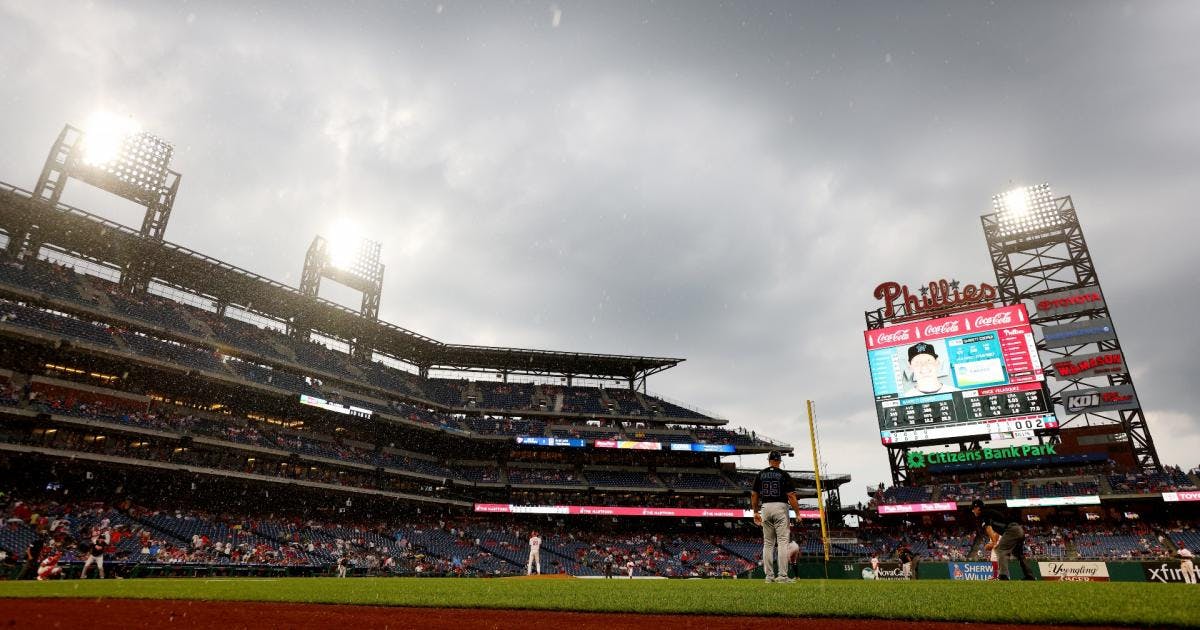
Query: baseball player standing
[
  {"x": 1186, "y": 566},
  {"x": 535, "y": 553},
  {"x": 95, "y": 555},
  {"x": 773, "y": 491},
  {"x": 629, "y": 567}
]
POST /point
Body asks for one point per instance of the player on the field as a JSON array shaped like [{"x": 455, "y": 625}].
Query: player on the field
[
  {"x": 629, "y": 568},
  {"x": 908, "y": 561},
  {"x": 609, "y": 563},
  {"x": 535, "y": 553},
  {"x": 33, "y": 556},
  {"x": 773, "y": 491},
  {"x": 1004, "y": 535},
  {"x": 875, "y": 565},
  {"x": 95, "y": 555},
  {"x": 49, "y": 567},
  {"x": 341, "y": 566},
  {"x": 1186, "y": 566}
]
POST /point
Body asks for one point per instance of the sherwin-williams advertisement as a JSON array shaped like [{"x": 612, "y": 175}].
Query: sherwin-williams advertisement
[{"x": 971, "y": 570}]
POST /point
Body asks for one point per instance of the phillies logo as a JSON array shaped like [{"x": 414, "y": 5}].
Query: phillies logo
[
  {"x": 945, "y": 328},
  {"x": 995, "y": 319},
  {"x": 934, "y": 296}
]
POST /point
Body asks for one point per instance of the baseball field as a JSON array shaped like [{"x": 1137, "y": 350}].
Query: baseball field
[{"x": 620, "y": 603}]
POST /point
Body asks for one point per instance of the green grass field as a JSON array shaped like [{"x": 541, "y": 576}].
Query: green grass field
[{"x": 1013, "y": 602}]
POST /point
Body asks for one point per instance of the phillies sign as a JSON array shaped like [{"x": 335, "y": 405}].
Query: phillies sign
[
  {"x": 1100, "y": 399},
  {"x": 938, "y": 295},
  {"x": 1087, "y": 365},
  {"x": 1070, "y": 301}
]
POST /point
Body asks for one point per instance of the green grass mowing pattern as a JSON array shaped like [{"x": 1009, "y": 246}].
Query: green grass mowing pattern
[{"x": 1011, "y": 602}]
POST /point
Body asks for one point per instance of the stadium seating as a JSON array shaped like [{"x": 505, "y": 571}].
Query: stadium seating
[{"x": 621, "y": 478}]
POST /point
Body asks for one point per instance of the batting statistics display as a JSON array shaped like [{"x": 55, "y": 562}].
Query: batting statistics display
[{"x": 975, "y": 374}]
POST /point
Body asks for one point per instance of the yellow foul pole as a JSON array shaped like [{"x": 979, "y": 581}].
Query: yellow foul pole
[{"x": 812, "y": 434}]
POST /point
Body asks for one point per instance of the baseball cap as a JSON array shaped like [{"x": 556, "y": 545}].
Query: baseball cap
[
  {"x": 977, "y": 503},
  {"x": 920, "y": 348},
  {"x": 774, "y": 456}
]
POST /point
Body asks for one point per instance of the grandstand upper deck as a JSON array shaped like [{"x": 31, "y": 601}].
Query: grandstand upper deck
[{"x": 86, "y": 235}]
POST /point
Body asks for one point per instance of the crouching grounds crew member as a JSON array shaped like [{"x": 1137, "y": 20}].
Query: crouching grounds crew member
[
  {"x": 770, "y": 497},
  {"x": 1005, "y": 536}
]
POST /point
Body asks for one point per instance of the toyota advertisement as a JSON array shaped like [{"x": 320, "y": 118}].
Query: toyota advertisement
[{"x": 969, "y": 375}]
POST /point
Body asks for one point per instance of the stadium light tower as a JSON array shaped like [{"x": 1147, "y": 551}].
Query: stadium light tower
[
  {"x": 115, "y": 155},
  {"x": 348, "y": 259},
  {"x": 1040, "y": 256}
]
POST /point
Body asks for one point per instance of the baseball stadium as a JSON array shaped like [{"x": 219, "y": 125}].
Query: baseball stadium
[
  {"x": 191, "y": 433},
  {"x": 186, "y": 442}
]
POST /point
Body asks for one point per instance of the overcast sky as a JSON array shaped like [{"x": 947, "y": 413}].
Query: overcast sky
[{"x": 725, "y": 183}]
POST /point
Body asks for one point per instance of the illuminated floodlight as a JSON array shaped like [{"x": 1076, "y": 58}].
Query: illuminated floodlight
[
  {"x": 350, "y": 251},
  {"x": 105, "y": 136},
  {"x": 116, "y": 154},
  {"x": 1026, "y": 210},
  {"x": 344, "y": 242}
]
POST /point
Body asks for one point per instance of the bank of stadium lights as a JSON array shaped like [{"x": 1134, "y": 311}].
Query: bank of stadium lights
[
  {"x": 1026, "y": 210},
  {"x": 351, "y": 252},
  {"x": 116, "y": 148}
]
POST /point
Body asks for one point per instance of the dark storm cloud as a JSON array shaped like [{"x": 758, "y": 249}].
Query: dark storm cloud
[{"x": 722, "y": 182}]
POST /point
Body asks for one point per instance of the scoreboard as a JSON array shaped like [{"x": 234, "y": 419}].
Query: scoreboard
[{"x": 970, "y": 375}]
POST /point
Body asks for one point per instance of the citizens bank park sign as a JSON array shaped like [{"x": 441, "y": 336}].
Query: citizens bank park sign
[{"x": 920, "y": 459}]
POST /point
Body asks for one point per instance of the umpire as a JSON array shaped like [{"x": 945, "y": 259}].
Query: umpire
[
  {"x": 1005, "y": 536},
  {"x": 773, "y": 491}
]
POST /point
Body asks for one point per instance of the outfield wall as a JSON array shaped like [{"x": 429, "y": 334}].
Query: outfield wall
[{"x": 1159, "y": 571}]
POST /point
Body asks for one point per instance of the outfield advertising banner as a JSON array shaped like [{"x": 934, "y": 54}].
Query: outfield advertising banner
[
  {"x": 1089, "y": 365},
  {"x": 1078, "y": 333},
  {"x": 1174, "y": 497},
  {"x": 1074, "y": 571},
  {"x": 348, "y": 410},
  {"x": 1091, "y": 499},
  {"x": 971, "y": 570},
  {"x": 704, "y": 448},
  {"x": 629, "y": 444},
  {"x": 612, "y": 510},
  {"x": 1069, "y": 302},
  {"x": 1166, "y": 572},
  {"x": 911, "y": 508},
  {"x": 887, "y": 570},
  {"x": 1100, "y": 399},
  {"x": 551, "y": 441}
]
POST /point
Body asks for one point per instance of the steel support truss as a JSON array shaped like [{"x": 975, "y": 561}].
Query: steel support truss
[{"x": 1051, "y": 259}]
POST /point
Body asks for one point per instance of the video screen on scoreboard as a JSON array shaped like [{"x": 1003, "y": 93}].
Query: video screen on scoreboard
[{"x": 966, "y": 375}]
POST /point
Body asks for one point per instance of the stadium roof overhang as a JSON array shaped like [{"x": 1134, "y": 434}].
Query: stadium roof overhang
[{"x": 88, "y": 236}]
